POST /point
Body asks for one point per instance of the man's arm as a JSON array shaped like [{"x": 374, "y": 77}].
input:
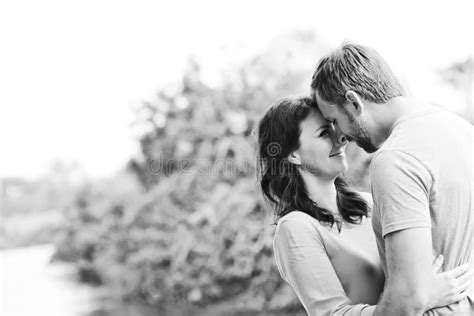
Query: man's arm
[
  {"x": 400, "y": 187},
  {"x": 408, "y": 254}
]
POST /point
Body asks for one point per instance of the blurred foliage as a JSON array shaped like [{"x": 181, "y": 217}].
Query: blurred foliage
[
  {"x": 185, "y": 222},
  {"x": 193, "y": 227},
  {"x": 458, "y": 77},
  {"x": 31, "y": 211}
]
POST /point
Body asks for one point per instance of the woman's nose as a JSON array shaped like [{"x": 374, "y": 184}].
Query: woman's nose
[{"x": 341, "y": 140}]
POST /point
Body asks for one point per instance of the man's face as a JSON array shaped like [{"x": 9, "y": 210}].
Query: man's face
[{"x": 346, "y": 123}]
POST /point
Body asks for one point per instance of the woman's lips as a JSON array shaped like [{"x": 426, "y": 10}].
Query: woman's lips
[{"x": 337, "y": 154}]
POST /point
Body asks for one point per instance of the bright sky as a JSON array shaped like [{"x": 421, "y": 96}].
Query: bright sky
[{"x": 70, "y": 71}]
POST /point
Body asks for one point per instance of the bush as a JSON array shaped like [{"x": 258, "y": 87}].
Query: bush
[{"x": 192, "y": 227}]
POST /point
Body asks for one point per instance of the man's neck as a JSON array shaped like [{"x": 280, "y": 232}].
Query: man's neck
[{"x": 386, "y": 115}]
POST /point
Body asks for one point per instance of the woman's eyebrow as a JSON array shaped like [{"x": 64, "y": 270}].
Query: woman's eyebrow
[{"x": 321, "y": 127}]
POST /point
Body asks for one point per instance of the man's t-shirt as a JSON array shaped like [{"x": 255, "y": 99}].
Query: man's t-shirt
[{"x": 422, "y": 177}]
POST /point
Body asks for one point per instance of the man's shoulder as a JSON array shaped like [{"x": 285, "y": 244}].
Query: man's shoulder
[
  {"x": 433, "y": 122},
  {"x": 393, "y": 157},
  {"x": 424, "y": 140},
  {"x": 393, "y": 168}
]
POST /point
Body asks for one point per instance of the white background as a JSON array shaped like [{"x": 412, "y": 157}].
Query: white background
[{"x": 66, "y": 67}]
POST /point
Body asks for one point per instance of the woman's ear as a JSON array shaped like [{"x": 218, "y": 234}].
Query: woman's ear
[
  {"x": 353, "y": 98},
  {"x": 294, "y": 158}
]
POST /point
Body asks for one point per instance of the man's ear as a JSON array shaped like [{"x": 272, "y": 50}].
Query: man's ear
[
  {"x": 355, "y": 100},
  {"x": 295, "y": 158}
]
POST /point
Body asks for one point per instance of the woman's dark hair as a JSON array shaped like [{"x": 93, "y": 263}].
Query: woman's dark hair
[{"x": 281, "y": 182}]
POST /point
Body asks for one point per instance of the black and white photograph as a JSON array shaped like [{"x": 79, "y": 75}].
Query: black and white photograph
[{"x": 257, "y": 158}]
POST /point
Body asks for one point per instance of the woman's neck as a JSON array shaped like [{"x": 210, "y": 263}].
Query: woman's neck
[{"x": 322, "y": 191}]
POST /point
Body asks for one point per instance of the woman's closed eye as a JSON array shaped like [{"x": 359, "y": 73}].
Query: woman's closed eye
[{"x": 324, "y": 133}]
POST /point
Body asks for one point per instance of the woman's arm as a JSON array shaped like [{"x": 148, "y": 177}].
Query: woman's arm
[
  {"x": 303, "y": 262},
  {"x": 305, "y": 265}
]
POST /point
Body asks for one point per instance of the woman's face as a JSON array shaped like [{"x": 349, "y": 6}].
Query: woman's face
[{"x": 319, "y": 151}]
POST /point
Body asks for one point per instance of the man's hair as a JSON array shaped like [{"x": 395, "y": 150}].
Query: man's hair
[{"x": 357, "y": 68}]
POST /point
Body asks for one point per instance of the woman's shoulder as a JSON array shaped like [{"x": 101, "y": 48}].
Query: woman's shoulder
[
  {"x": 295, "y": 232},
  {"x": 297, "y": 218},
  {"x": 297, "y": 223}
]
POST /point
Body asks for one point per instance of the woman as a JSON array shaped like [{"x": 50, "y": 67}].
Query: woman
[{"x": 324, "y": 244}]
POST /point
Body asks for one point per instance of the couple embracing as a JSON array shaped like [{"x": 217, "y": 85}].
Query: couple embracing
[{"x": 404, "y": 249}]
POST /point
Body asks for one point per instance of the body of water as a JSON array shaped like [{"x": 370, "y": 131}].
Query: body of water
[{"x": 30, "y": 285}]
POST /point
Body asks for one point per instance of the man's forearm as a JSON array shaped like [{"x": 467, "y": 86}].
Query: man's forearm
[{"x": 398, "y": 303}]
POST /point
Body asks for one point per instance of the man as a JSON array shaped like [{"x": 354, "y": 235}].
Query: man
[{"x": 421, "y": 175}]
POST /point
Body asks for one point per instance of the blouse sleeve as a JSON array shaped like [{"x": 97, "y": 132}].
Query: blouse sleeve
[{"x": 303, "y": 263}]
